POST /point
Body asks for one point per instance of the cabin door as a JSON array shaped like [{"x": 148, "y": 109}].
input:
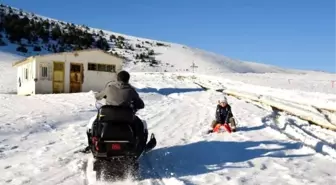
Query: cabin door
[
  {"x": 58, "y": 77},
  {"x": 76, "y": 77}
]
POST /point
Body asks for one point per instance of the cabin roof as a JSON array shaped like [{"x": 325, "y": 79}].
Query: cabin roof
[{"x": 22, "y": 61}]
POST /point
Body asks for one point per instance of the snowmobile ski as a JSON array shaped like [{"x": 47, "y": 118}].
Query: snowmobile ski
[{"x": 151, "y": 143}]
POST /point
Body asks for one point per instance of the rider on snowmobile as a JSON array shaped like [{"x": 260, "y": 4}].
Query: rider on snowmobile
[
  {"x": 224, "y": 115},
  {"x": 121, "y": 93}
]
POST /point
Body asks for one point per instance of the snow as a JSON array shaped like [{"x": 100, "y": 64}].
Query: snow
[
  {"x": 40, "y": 134},
  {"x": 8, "y": 73}
]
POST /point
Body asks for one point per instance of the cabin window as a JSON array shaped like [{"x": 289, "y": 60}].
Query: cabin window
[
  {"x": 92, "y": 67},
  {"x": 75, "y": 68},
  {"x": 101, "y": 67},
  {"x": 110, "y": 68},
  {"x": 26, "y": 73},
  {"x": 44, "y": 72}
]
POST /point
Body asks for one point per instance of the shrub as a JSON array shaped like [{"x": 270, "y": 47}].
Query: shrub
[
  {"x": 37, "y": 48},
  {"x": 22, "y": 49},
  {"x": 151, "y": 52},
  {"x": 160, "y": 44}
]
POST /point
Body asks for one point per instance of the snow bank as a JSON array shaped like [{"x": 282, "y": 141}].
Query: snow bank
[
  {"x": 290, "y": 128},
  {"x": 306, "y": 96},
  {"x": 300, "y": 112},
  {"x": 317, "y": 82}
]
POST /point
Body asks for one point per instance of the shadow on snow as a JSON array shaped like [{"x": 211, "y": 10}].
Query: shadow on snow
[
  {"x": 168, "y": 91},
  {"x": 204, "y": 157},
  {"x": 253, "y": 128}
]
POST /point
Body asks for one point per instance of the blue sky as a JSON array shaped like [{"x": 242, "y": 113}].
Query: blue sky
[{"x": 288, "y": 33}]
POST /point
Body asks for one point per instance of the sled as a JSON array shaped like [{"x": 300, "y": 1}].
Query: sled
[{"x": 221, "y": 128}]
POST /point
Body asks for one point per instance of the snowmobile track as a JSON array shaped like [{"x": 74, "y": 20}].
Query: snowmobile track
[
  {"x": 85, "y": 180},
  {"x": 148, "y": 165}
]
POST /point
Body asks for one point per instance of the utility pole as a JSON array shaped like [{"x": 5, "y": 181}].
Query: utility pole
[{"x": 193, "y": 66}]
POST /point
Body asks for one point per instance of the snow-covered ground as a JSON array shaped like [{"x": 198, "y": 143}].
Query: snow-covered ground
[{"x": 39, "y": 135}]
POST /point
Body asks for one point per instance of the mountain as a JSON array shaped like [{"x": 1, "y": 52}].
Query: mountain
[{"x": 26, "y": 34}]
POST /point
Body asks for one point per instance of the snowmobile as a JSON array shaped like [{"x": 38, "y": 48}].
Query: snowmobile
[{"x": 114, "y": 144}]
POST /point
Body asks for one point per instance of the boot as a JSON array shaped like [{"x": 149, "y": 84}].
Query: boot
[
  {"x": 85, "y": 150},
  {"x": 213, "y": 125},
  {"x": 233, "y": 124}
]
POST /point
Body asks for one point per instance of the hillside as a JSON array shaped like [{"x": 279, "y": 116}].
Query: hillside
[{"x": 26, "y": 34}]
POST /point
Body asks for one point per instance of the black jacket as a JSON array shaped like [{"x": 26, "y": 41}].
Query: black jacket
[{"x": 223, "y": 114}]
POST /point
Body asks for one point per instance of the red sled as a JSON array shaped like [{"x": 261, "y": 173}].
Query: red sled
[{"x": 219, "y": 128}]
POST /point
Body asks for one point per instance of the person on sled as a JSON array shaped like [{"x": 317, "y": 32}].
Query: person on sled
[
  {"x": 224, "y": 115},
  {"x": 121, "y": 93}
]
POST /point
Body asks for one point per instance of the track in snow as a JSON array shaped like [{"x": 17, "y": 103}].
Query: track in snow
[
  {"x": 39, "y": 148},
  {"x": 189, "y": 155}
]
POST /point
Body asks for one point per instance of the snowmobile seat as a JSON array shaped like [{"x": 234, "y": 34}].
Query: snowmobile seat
[
  {"x": 116, "y": 114},
  {"x": 117, "y": 131}
]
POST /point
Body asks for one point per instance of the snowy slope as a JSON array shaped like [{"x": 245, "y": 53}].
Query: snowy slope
[
  {"x": 172, "y": 57},
  {"x": 39, "y": 135},
  {"x": 179, "y": 58},
  {"x": 8, "y": 73}
]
